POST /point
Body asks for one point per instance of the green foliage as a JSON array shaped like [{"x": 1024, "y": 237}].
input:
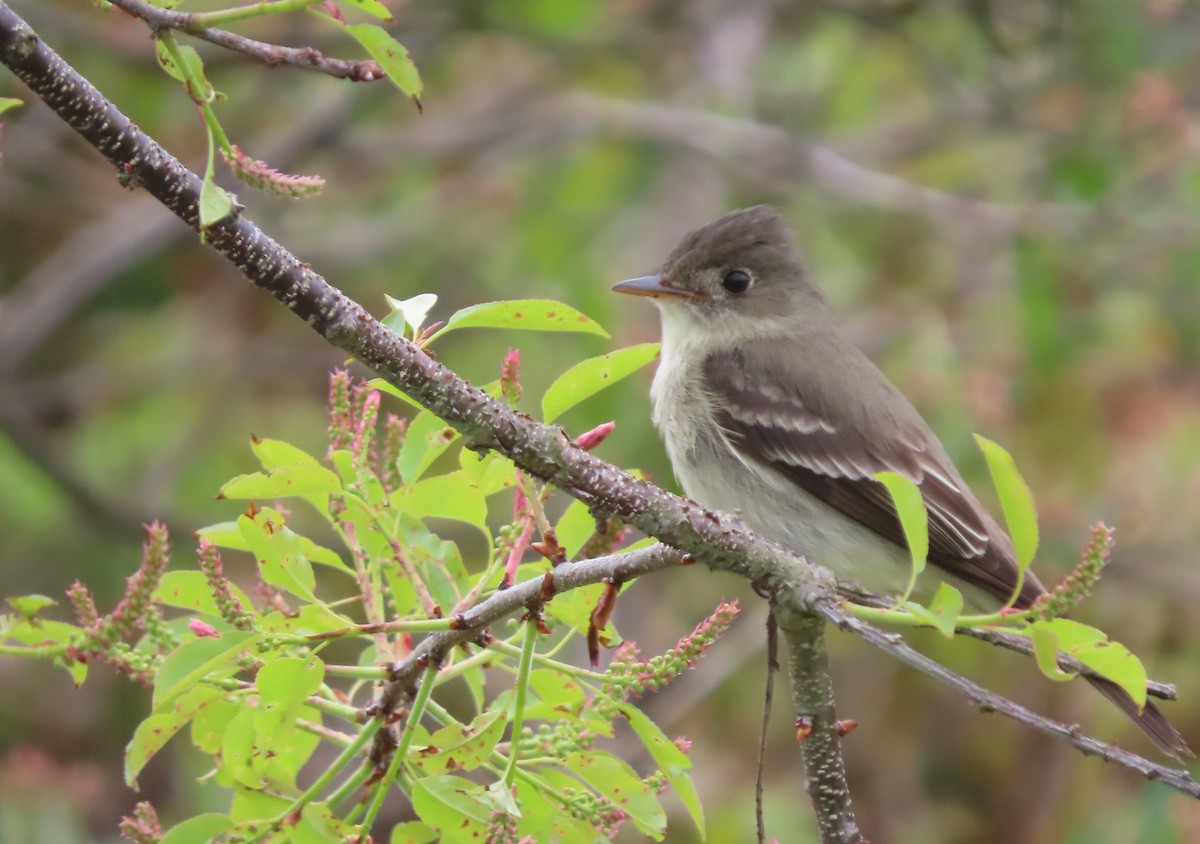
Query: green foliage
[
  {"x": 259, "y": 684},
  {"x": 1015, "y": 500},
  {"x": 528, "y": 314},
  {"x": 914, "y": 521},
  {"x": 1050, "y": 636}
]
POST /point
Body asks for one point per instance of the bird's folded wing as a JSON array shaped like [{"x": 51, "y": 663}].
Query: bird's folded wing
[{"x": 831, "y": 452}]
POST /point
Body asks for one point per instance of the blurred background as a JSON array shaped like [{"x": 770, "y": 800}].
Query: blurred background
[{"x": 999, "y": 196}]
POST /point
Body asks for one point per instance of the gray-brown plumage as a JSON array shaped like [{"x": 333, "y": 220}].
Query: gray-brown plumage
[{"x": 767, "y": 409}]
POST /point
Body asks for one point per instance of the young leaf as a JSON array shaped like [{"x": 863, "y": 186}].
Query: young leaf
[
  {"x": 591, "y": 376},
  {"x": 616, "y": 779},
  {"x": 28, "y": 606},
  {"x": 280, "y": 555},
  {"x": 450, "y": 496},
  {"x": 202, "y": 829},
  {"x": 1094, "y": 649},
  {"x": 392, "y": 57},
  {"x": 215, "y": 202},
  {"x": 427, "y": 439},
  {"x": 189, "y": 590},
  {"x": 1045, "y": 651},
  {"x": 8, "y": 102},
  {"x": 373, "y": 8},
  {"x": 414, "y": 310},
  {"x": 451, "y": 803},
  {"x": 154, "y": 732},
  {"x": 286, "y": 481},
  {"x": 914, "y": 520},
  {"x": 462, "y": 747},
  {"x": 197, "y": 660},
  {"x": 945, "y": 608},
  {"x": 413, "y": 832},
  {"x": 1015, "y": 499},
  {"x": 529, "y": 314},
  {"x": 672, "y": 761}
]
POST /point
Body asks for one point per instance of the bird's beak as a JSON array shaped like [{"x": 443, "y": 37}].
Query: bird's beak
[{"x": 654, "y": 286}]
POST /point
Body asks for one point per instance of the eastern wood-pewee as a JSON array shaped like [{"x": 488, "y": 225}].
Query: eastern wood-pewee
[{"x": 768, "y": 410}]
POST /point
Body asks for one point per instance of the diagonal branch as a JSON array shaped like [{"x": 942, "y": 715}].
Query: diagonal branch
[
  {"x": 717, "y": 539},
  {"x": 989, "y": 701}
]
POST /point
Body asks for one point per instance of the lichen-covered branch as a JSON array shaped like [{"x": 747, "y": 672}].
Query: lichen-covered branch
[{"x": 817, "y": 728}]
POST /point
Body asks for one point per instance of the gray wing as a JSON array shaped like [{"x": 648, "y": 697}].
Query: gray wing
[{"x": 832, "y": 448}]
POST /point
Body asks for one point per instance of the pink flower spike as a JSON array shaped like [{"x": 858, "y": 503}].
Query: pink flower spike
[
  {"x": 591, "y": 439},
  {"x": 203, "y": 629},
  {"x": 510, "y": 376}
]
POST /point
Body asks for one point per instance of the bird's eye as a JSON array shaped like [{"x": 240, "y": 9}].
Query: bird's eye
[{"x": 736, "y": 281}]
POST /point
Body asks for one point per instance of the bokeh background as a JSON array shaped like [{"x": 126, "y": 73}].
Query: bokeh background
[{"x": 999, "y": 196}]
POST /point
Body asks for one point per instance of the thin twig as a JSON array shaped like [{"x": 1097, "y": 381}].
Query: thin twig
[
  {"x": 989, "y": 701},
  {"x": 1003, "y": 639},
  {"x": 768, "y": 699},
  {"x": 308, "y": 58}
]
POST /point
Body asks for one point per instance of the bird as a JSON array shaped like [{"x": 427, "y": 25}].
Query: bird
[{"x": 767, "y": 409}]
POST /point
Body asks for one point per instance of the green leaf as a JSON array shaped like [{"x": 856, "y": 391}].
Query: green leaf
[
  {"x": 189, "y": 590},
  {"x": 670, "y": 760},
  {"x": 208, "y": 727},
  {"x": 373, "y": 8},
  {"x": 198, "y": 659},
  {"x": 202, "y": 829},
  {"x": 426, "y": 440},
  {"x": 215, "y": 202},
  {"x": 453, "y": 805},
  {"x": 528, "y": 314},
  {"x": 283, "y": 482},
  {"x": 1015, "y": 499},
  {"x": 575, "y": 527},
  {"x": 238, "y": 751},
  {"x": 194, "y": 65},
  {"x": 589, "y": 377},
  {"x": 288, "y": 681},
  {"x": 392, "y": 57},
  {"x": 616, "y": 780},
  {"x": 1045, "y": 652},
  {"x": 413, "y": 832},
  {"x": 228, "y": 535},
  {"x": 319, "y": 825},
  {"x": 8, "y": 102},
  {"x": 914, "y": 519},
  {"x": 945, "y": 608},
  {"x": 28, "y": 606},
  {"x": 1094, "y": 649},
  {"x": 492, "y": 473},
  {"x": 280, "y": 555},
  {"x": 274, "y": 454},
  {"x": 451, "y": 496},
  {"x": 166, "y": 720},
  {"x": 459, "y": 747}
]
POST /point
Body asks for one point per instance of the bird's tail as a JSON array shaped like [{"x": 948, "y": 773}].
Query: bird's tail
[{"x": 1150, "y": 719}]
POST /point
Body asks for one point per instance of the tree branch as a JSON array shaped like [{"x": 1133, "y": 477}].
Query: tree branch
[
  {"x": 309, "y": 58},
  {"x": 989, "y": 701},
  {"x": 817, "y": 728}
]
